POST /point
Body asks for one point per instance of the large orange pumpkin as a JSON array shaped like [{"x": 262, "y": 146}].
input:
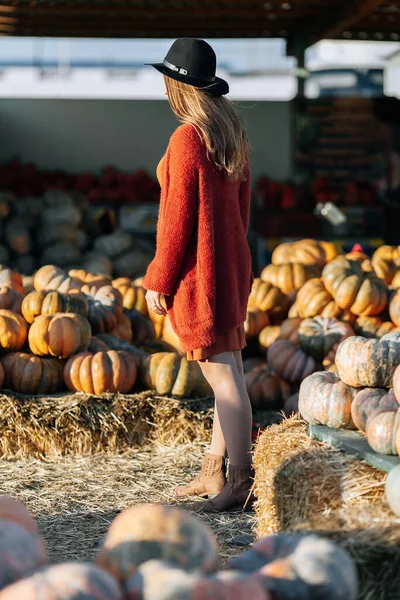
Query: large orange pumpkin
[
  {"x": 306, "y": 252},
  {"x": 66, "y": 581},
  {"x": 13, "y": 331},
  {"x": 10, "y": 299},
  {"x": 268, "y": 298},
  {"x": 133, "y": 296},
  {"x": 105, "y": 306},
  {"x": 373, "y": 327},
  {"x": 29, "y": 374},
  {"x": 385, "y": 269},
  {"x": 51, "y": 277},
  {"x": 325, "y": 400},
  {"x": 318, "y": 335},
  {"x": 15, "y": 511},
  {"x": 383, "y": 430},
  {"x": 396, "y": 280},
  {"x": 366, "y": 401},
  {"x": 365, "y": 362},
  {"x": 391, "y": 253},
  {"x": 51, "y": 302},
  {"x": 107, "y": 371},
  {"x": 256, "y": 320},
  {"x": 62, "y": 335},
  {"x": 394, "y": 308},
  {"x": 169, "y": 373},
  {"x": 353, "y": 289},
  {"x": 20, "y": 553},
  {"x": 266, "y": 390},
  {"x": 313, "y": 299},
  {"x": 289, "y": 277},
  {"x": 92, "y": 279},
  {"x": 154, "y": 531},
  {"x": 290, "y": 362}
]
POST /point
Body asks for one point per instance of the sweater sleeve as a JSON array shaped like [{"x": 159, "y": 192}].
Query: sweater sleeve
[{"x": 178, "y": 209}]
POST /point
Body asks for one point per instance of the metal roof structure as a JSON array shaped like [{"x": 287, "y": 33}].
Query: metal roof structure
[{"x": 301, "y": 22}]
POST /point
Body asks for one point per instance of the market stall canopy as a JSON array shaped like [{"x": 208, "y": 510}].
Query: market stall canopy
[{"x": 300, "y": 21}]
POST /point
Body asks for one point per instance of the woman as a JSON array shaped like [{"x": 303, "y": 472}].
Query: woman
[{"x": 203, "y": 264}]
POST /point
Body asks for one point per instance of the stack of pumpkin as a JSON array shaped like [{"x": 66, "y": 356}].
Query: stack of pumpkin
[
  {"x": 87, "y": 333},
  {"x": 156, "y": 552},
  {"x": 363, "y": 394},
  {"x": 305, "y": 304},
  {"x": 60, "y": 228}
]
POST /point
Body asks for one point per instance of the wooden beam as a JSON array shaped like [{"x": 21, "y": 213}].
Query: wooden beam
[{"x": 337, "y": 21}]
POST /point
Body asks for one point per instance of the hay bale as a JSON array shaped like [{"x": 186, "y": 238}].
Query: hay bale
[
  {"x": 302, "y": 484},
  {"x": 84, "y": 424}
]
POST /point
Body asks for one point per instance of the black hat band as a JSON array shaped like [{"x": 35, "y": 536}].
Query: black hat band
[{"x": 185, "y": 72}]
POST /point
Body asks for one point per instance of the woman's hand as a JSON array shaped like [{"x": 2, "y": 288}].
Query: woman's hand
[{"x": 153, "y": 300}]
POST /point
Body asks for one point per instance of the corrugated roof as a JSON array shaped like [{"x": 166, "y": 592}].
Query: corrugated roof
[{"x": 300, "y": 21}]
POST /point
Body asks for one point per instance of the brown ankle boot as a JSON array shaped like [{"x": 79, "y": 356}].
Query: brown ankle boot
[
  {"x": 236, "y": 493},
  {"x": 209, "y": 482}
]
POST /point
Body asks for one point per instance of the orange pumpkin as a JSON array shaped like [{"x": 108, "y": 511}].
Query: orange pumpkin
[
  {"x": 391, "y": 253},
  {"x": 153, "y": 531},
  {"x": 13, "y": 330},
  {"x": 385, "y": 269},
  {"x": 306, "y": 252},
  {"x": 325, "y": 400},
  {"x": 266, "y": 390},
  {"x": 29, "y": 374},
  {"x": 256, "y": 320},
  {"x": 11, "y": 279},
  {"x": 108, "y": 371},
  {"x": 133, "y": 296},
  {"x": 92, "y": 279},
  {"x": 383, "y": 430},
  {"x": 20, "y": 553},
  {"x": 51, "y": 302},
  {"x": 290, "y": 362},
  {"x": 353, "y": 289},
  {"x": 365, "y": 362},
  {"x": 51, "y": 277},
  {"x": 318, "y": 336},
  {"x": 394, "y": 308},
  {"x": 396, "y": 280},
  {"x": 373, "y": 327},
  {"x": 123, "y": 328},
  {"x": 12, "y": 510},
  {"x": 66, "y": 581},
  {"x": 313, "y": 299},
  {"x": 10, "y": 299},
  {"x": 62, "y": 335},
  {"x": 368, "y": 400},
  {"x": 268, "y": 336},
  {"x": 268, "y": 298},
  {"x": 169, "y": 335},
  {"x": 289, "y": 277},
  {"x": 105, "y": 307},
  {"x": 330, "y": 250}
]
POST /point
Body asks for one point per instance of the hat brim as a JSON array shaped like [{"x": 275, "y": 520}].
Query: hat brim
[{"x": 219, "y": 87}]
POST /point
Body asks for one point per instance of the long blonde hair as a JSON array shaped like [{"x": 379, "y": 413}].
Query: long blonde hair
[{"x": 218, "y": 123}]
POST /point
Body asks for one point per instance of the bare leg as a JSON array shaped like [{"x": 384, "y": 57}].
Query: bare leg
[
  {"x": 239, "y": 362},
  {"x": 218, "y": 445},
  {"x": 233, "y": 405}
]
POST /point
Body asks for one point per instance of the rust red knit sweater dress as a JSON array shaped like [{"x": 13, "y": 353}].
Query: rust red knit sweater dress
[{"x": 203, "y": 262}]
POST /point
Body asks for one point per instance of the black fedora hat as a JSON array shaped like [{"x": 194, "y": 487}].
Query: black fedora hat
[{"x": 193, "y": 61}]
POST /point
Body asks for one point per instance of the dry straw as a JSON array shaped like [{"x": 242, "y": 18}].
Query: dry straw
[
  {"x": 82, "y": 424},
  {"x": 302, "y": 484}
]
